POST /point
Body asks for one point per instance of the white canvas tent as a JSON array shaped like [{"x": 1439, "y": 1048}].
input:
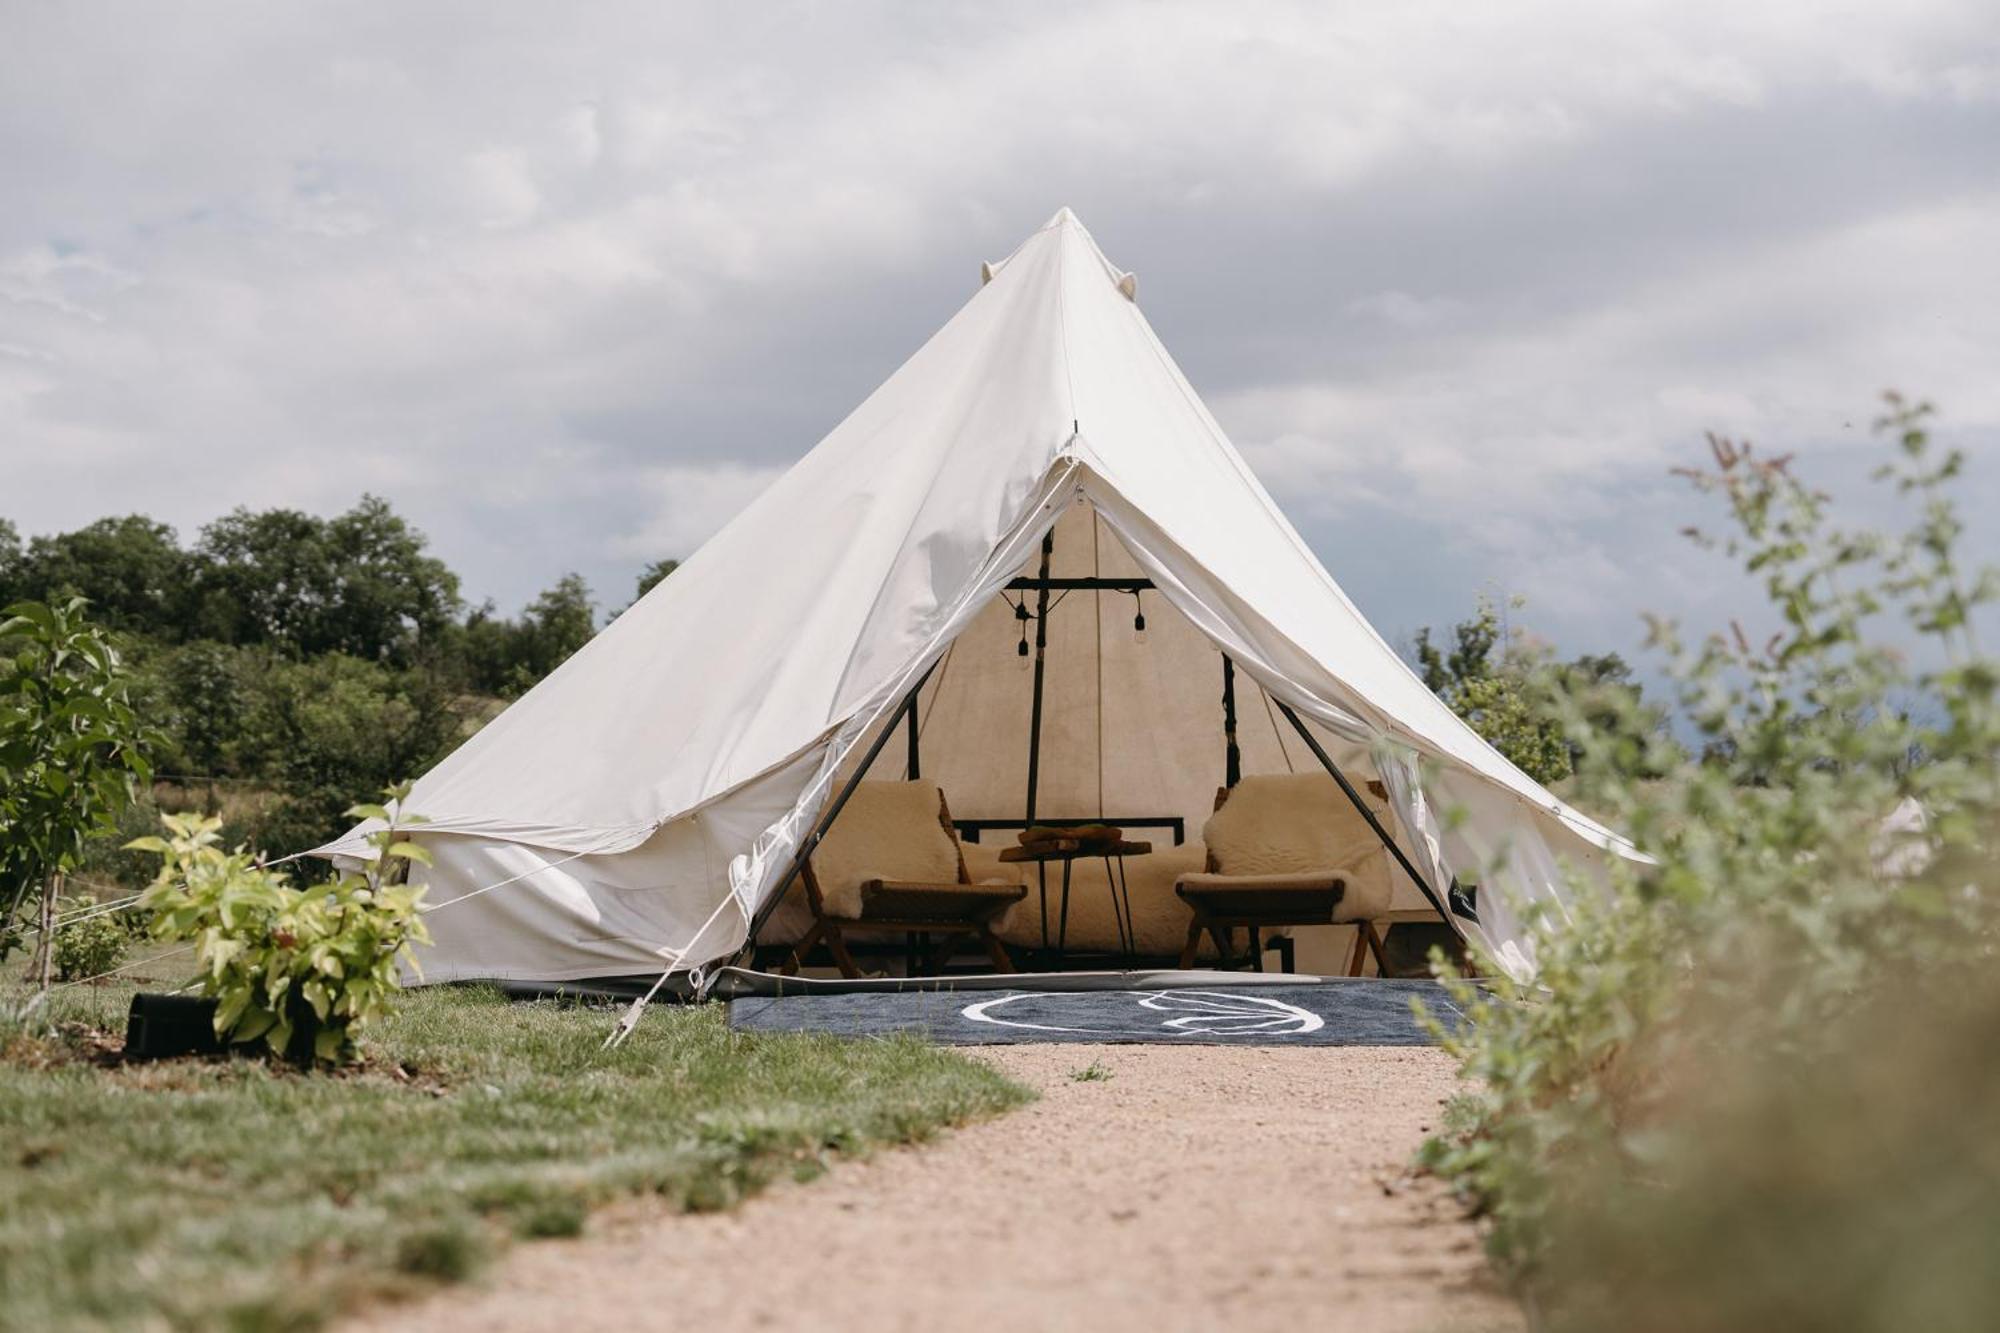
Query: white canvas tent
[{"x": 637, "y": 809}]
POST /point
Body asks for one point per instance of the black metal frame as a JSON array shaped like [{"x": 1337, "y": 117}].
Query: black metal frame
[
  {"x": 1041, "y": 650},
  {"x": 1042, "y": 584},
  {"x": 1232, "y": 758},
  {"x": 970, "y": 829},
  {"x": 1090, "y": 584},
  {"x": 1326, "y": 762}
]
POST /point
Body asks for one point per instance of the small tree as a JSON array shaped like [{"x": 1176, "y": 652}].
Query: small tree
[
  {"x": 1499, "y": 688},
  {"x": 555, "y": 625},
  {"x": 654, "y": 575},
  {"x": 72, "y": 754}
]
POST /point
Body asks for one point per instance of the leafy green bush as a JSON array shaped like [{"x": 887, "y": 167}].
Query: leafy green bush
[
  {"x": 278, "y": 958},
  {"x": 91, "y": 945},
  {"x": 1777, "y": 917}
]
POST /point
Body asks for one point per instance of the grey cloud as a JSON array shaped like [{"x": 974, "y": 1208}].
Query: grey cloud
[{"x": 1462, "y": 283}]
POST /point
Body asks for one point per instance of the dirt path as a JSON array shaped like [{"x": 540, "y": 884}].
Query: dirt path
[{"x": 1194, "y": 1188}]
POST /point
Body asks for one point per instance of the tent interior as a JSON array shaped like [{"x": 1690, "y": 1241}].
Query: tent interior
[{"x": 1135, "y": 732}]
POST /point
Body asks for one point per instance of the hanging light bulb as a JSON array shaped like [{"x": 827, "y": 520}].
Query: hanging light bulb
[{"x": 1138, "y": 619}]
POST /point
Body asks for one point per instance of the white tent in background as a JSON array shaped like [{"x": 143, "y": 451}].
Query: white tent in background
[{"x": 637, "y": 809}]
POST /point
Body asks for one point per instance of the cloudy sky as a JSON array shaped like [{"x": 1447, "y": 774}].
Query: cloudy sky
[{"x": 569, "y": 284}]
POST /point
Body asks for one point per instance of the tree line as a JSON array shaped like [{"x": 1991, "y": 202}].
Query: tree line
[
  {"x": 306, "y": 658},
  {"x": 288, "y": 661}
]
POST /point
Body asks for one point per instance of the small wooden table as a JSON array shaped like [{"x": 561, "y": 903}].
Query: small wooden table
[{"x": 1068, "y": 851}]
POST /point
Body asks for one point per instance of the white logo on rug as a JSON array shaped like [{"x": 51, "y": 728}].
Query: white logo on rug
[{"x": 1197, "y": 1013}]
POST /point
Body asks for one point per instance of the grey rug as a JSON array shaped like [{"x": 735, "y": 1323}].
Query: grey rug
[{"x": 1330, "y": 1013}]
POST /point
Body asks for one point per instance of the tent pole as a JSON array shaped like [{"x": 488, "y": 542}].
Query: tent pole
[
  {"x": 1232, "y": 758},
  {"x": 811, "y": 844},
  {"x": 913, "y": 765},
  {"x": 1041, "y": 645},
  {"x": 1326, "y": 762}
]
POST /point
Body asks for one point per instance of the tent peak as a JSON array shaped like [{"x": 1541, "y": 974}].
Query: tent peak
[
  {"x": 1066, "y": 220},
  {"x": 1065, "y": 225}
]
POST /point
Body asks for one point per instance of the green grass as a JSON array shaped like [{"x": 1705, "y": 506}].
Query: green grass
[{"x": 238, "y": 1193}]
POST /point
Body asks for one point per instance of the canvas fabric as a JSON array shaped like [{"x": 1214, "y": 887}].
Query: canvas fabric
[{"x": 644, "y": 800}]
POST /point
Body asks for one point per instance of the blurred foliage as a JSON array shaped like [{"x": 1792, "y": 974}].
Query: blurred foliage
[
  {"x": 1729, "y": 1098},
  {"x": 90, "y": 940}
]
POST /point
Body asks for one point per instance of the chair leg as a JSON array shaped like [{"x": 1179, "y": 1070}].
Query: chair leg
[
  {"x": 1287, "y": 956},
  {"x": 995, "y": 949},
  {"x": 1193, "y": 947},
  {"x": 937, "y": 959},
  {"x": 835, "y": 943},
  {"x": 1375, "y": 947},
  {"x": 791, "y": 965},
  {"x": 1256, "y": 950},
  {"x": 1359, "y": 957}
]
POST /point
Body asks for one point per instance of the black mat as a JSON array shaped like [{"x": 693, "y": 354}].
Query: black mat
[{"x": 1330, "y": 1013}]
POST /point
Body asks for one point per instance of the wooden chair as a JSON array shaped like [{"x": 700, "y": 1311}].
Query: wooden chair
[
  {"x": 1292, "y": 884},
  {"x": 902, "y": 886}
]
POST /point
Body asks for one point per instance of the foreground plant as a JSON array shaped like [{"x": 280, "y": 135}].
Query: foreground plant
[
  {"x": 72, "y": 756},
  {"x": 1825, "y": 856},
  {"x": 281, "y": 959}
]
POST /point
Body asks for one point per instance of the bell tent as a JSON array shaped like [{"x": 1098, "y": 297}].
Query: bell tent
[{"x": 1029, "y": 568}]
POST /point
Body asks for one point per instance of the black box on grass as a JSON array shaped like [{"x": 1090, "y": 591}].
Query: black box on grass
[{"x": 162, "y": 1026}]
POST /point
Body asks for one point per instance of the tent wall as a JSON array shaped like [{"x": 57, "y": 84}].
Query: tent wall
[
  {"x": 510, "y": 911},
  {"x": 699, "y": 736}
]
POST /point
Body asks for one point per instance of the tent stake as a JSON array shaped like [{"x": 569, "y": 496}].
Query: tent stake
[
  {"x": 1326, "y": 762},
  {"x": 811, "y": 844}
]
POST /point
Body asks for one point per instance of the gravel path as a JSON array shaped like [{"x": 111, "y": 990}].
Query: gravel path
[{"x": 1194, "y": 1188}]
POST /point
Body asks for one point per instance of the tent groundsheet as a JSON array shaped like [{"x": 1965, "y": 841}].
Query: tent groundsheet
[{"x": 1316, "y": 1013}]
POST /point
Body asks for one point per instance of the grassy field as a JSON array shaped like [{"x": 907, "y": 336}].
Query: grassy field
[{"x": 237, "y": 1193}]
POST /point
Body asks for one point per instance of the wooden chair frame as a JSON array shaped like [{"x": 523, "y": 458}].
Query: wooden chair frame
[
  {"x": 914, "y": 910},
  {"x": 1289, "y": 907}
]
